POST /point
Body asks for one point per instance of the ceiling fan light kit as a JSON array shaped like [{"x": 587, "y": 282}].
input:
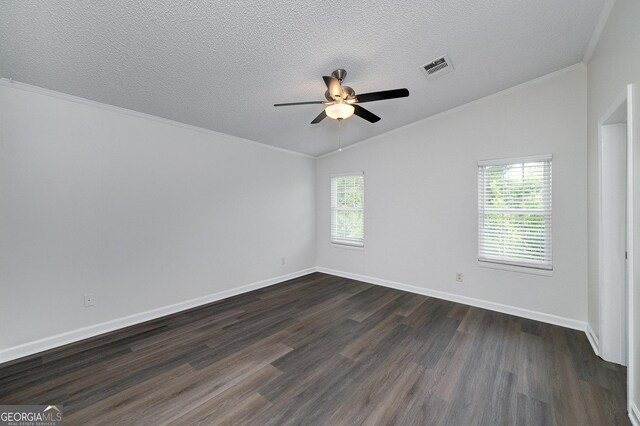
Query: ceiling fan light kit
[
  {"x": 342, "y": 101},
  {"x": 339, "y": 111}
]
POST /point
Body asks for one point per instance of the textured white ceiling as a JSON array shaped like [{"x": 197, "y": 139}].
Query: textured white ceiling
[{"x": 222, "y": 64}]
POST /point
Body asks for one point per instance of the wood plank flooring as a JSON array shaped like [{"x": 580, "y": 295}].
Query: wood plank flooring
[{"x": 326, "y": 350}]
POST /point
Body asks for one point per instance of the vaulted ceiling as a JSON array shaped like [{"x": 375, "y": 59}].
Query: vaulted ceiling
[{"x": 222, "y": 65}]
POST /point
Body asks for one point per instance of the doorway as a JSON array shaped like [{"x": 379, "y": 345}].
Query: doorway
[
  {"x": 613, "y": 236},
  {"x": 619, "y": 248}
]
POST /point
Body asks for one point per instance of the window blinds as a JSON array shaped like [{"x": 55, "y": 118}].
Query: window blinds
[
  {"x": 347, "y": 210},
  {"x": 514, "y": 212}
]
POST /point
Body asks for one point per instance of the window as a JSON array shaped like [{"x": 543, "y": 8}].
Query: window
[
  {"x": 347, "y": 209},
  {"x": 514, "y": 212}
]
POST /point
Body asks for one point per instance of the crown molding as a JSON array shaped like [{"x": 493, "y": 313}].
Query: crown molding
[
  {"x": 83, "y": 101},
  {"x": 597, "y": 30},
  {"x": 462, "y": 107}
]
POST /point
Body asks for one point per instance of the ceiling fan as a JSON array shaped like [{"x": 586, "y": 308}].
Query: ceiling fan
[{"x": 342, "y": 102}]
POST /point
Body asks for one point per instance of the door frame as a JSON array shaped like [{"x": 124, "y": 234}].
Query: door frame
[
  {"x": 630, "y": 96},
  {"x": 613, "y": 271}
]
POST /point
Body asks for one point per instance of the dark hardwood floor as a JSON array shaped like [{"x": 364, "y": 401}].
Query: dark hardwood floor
[{"x": 326, "y": 350}]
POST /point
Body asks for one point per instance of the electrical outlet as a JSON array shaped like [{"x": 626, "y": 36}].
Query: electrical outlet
[
  {"x": 89, "y": 300},
  {"x": 283, "y": 260},
  {"x": 459, "y": 277}
]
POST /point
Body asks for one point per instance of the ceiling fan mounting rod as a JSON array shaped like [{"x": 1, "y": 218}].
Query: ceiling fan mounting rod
[{"x": 340, "y": 74}]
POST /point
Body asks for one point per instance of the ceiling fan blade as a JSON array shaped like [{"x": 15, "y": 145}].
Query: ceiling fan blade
[
  {"x": 366, "y": 114},
  {"x": 319, "y": 118},
  {"x": 299, "y": 103},
  {"x": 380, "y": 96},
  {"x": 333, "y": 84}
]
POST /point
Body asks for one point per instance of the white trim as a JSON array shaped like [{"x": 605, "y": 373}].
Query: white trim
[
  {"x": 91, "y": 331},
  {"x": 633, "y": 142},
  {"x": 613, "y": 107},
  {"x": 83, "y": 101},
  {"x": 347, "y": 246},
  {"x": 515, "y": 268},
  {"x": 485, "y": 304},
  {"x": 61, "y": 339},
  {"x": 610, "y": 351},
  {"x": 503, "y": 161},
  {"x": 630, "y": 95},
  {"x": 360, "y": 173},
  {"x": 597, "y": 30},
  {"x": 461, "y": 107},
  {"x": 593, "y": 339},
  {"x": 76, "y": 99},
  {"x": 634, "y": 414}
]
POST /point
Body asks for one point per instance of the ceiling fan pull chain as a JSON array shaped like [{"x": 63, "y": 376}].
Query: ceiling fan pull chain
[{"x": 339, "y": 136}]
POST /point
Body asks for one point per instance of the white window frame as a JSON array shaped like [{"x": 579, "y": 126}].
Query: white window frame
[
  {"x": 335, "y": 241},
  {"x": 527, "y": 266}
]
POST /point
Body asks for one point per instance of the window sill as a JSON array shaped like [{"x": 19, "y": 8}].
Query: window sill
[
  {"x": 514, "y": 268},
  {"x": 347, "y": 246}
]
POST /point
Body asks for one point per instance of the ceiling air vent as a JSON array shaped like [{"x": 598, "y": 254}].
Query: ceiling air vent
[{"x": 438, "y": 67}]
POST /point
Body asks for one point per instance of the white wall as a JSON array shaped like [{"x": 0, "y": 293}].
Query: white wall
[
  {"x": 145, "y": 214},
  {"x": 421, "y": 197},
  {"x": 138, "y": 211},
  {"x": 614, "y": 64}
]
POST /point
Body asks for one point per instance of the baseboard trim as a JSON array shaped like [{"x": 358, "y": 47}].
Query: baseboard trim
[
  {"x": 634, "y": 414},
  {"x": 61, "y": 339},
  {"x": 593, "y": 339},
  {"x": 493, "y": 306}
]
